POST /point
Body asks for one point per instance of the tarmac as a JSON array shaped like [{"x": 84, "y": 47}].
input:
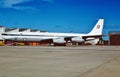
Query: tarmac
[{"x": 40, "y": 61}]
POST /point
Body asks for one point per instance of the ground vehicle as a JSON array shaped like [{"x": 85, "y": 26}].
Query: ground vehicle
[{"x": 1, "y": 43}]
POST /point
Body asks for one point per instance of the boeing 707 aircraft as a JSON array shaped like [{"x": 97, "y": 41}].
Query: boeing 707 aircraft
[{"x": 96, "y": 32}]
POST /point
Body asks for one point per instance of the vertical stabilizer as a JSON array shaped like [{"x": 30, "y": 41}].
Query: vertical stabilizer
[{"x": 97, "y": 30}]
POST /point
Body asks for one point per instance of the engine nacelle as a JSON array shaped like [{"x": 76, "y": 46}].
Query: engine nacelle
[
  {"x": 77, "y": 39},
  {"x": 89, "y": 39},
  {"x": 92, "y": 41},
  {"x": 59, "y": 40}
]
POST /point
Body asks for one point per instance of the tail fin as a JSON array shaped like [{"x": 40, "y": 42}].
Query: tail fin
[{"x": 97, "y": 30}]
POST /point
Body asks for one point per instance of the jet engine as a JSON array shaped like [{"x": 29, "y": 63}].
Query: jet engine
[
  {"x": 77, "y": 39},
  {"x": 59, "y": 40}
]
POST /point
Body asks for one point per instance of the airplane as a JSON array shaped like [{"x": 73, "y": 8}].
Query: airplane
[{"x": 94, "y": 34}]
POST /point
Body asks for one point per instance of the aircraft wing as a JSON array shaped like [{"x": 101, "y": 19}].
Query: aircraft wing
[{"x": 58, "y": 39}]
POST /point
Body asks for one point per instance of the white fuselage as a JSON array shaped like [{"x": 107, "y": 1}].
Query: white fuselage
[{"x": 38, "y": 36}]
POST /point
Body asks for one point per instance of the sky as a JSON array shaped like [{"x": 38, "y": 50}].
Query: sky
[{"x": 76, "y": 16}]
